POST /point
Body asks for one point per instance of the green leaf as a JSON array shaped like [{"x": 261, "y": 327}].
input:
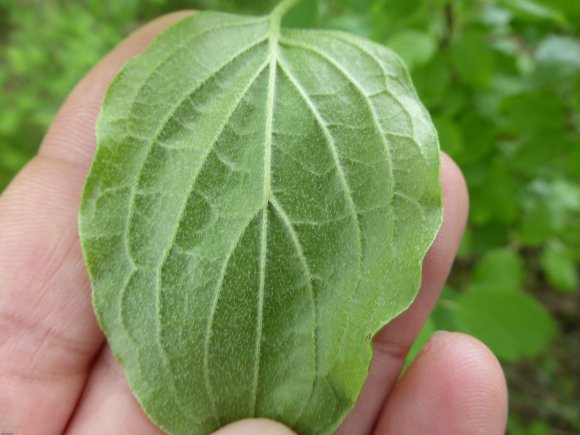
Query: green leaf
[
  {"x": 481, "y": 138},
  {"x": 391, "y": 15},
  {"x": 473, "y": 59},
  {"x": 489, "y": 236},
  {"x": 560, "y": 268},
  {"x": 494, "y": 198},
  {"x": 350, "y": 23},
  {"x": 561, "y": 51},
  {"x": 259, "y": 206},
  {"x": 499, "y": 270},
  {"x": 547, "y": 208},
  {"x": 570, "y": 9},
  {"x": 541, "y": 221},
  {"x": 558, "y": 60},
  {"x": 450, "y": 135},
  {"x": 532, "y": 10},
  {"x": 357, "y": 6},
  {"x": 305, "y": 15},
  {"x": 530, "y": 114},
  {"x": 433, "y": 81},
  {"x": 513, "y": 324},
  {"x": 415, "y": 48}
]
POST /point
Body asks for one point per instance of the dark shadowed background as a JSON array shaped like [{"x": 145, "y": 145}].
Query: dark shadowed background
[{"x": 501, "y": 79}]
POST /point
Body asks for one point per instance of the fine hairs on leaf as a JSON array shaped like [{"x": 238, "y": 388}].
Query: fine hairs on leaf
[{"x": 259, "y": 207}]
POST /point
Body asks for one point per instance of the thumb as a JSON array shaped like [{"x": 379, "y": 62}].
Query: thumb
[{"x": 254, "y": 427}]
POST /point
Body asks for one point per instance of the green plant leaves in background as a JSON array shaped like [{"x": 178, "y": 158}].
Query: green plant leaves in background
[
  {"x": 559, "y": 55},
  {"x": 473, "y": 59},
  {"x": 500, "y": 270},
  {"x": 415, "y": 48},
  {"x": 513, "y": 324},
  {"x": 496, "y": 310},
  {"x": 560, "y": 268},
  {"x": 259, "y": 206},
  {"x": 534, "y": 10}
]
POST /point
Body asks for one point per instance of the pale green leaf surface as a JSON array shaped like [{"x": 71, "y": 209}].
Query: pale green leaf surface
[{"x": 258, "y": 208}]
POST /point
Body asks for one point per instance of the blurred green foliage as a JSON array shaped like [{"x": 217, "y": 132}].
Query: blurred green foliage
[{"x": 501, "y": 79}]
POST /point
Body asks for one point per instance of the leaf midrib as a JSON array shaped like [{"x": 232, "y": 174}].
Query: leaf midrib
[{"x": 268, "y": 135}]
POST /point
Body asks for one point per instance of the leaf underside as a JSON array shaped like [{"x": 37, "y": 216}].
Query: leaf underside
[{"x": 258, "y": 208}]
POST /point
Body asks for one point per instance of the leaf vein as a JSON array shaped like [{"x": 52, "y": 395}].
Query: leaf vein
[
  {"x": 377, "y": 61},
  {"x": 191, "y": 188},
  {"x": 213, "y": 309},
  {"x": 309, "y": 278},
  {"x": 165, "y": 122},
  {"x": 340, "y": 171},
  {"x": 186, "y": 43},
  {"x": 268, "y": 135},
  {"x": 360, "y": 90}
]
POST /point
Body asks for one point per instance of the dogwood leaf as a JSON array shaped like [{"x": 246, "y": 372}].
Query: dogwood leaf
[{"x": 259, "y": 206}]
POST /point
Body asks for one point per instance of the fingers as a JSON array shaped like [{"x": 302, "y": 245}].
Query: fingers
[
  {"x": 455, "y": 387},
  {"x": 48, "y": 334},
  {"x": 392, "y": 344},
  {"x": 108, "y": 406},
  {"x": 254, "y": 427}
]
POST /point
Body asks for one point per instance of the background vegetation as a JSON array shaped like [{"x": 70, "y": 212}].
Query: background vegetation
[{"x": 502, "y": 81}]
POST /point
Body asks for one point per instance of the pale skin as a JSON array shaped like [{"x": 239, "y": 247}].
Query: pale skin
[{"x": 57, "y": 374}]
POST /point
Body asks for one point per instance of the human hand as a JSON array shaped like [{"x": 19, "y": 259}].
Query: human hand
[{"x": 58, "y": 375}]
